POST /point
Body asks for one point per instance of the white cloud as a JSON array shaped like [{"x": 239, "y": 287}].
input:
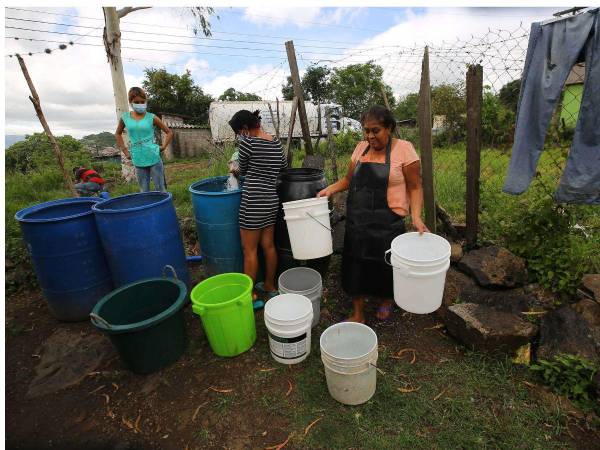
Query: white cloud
[
  {"x": 263, "y": 80},
  {"x": 268, "y": 15}
]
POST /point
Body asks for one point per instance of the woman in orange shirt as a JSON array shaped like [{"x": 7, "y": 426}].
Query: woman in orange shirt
[{"x": 384, "y": 184}]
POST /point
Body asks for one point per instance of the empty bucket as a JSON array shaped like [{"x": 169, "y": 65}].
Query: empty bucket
[
  {"x": 303, "y": 281},
  {"x": 420, "y": 263},
  {"x": 349, "y": 354},
  {"x": 224, "y": 304},
  {"x": 288, "y": 318},
  {"x": 144, "y": 321},
  {"x": 309, "y": 227}
]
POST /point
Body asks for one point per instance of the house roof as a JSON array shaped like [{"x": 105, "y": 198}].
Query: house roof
[{"x": 577, "y": 74}]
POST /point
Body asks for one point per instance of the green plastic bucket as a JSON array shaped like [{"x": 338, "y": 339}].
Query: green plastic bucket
[
  {"x": 145, "y": 323},
  {"x": 224, "y": 304}
]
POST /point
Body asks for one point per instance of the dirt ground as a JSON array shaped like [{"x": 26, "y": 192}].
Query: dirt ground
[{"x": 201, "y": 401}]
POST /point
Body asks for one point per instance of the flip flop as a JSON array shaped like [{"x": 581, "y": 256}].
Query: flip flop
[
  {"x": 258, "y": 304},
  {"x": 268, "y": 295},
  {"x": 384, "y": 309}
]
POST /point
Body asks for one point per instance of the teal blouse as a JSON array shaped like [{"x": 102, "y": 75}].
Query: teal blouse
[{"x": 144, "y": 150}]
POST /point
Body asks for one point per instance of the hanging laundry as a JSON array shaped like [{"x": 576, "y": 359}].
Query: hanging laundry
[{"x": 552, "y": 51}]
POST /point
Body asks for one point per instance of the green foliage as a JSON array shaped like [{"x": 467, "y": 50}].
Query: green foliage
[
  {"x": 316, "y": 85},
  {"x": 407, "y": 107},
  {"x": 202, "y": 14},
  {"x": 497, "y": 120},
  {"x": 543, "y": 233},
  {"x": 176, "y": 94},
  {"x": 572, "y": 376},
  {"x": 449, "y": 102},
  {"x": 288, "y": 89},
  {"x": 345, "y": 142},
  {"x": 99, "y": 141},
  {"x": 509, "y": 94},
  {"x": 357, "y": 87},
  {"x": 36, "y": 152},
  {"x": 232, "y": 95}
]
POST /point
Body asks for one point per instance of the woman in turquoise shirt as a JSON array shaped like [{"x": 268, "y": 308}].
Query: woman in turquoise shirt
[{"x": 143, "y": 151}]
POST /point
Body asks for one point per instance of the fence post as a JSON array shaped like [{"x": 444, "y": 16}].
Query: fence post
[
  {"x": 387, "y": 105},
  {"x": 424, "y": 121},
  {"x": 291, "y": 55},
  {"x": 474, "y": 99},
  {"x": 331, "y": 145},
  {"x": 290, "y": 157}
]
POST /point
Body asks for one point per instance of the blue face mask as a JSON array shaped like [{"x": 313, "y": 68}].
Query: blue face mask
[{"x": 139, "y": 107}]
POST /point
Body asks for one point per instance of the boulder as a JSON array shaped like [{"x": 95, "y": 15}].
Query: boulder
[
  {"x": 494, "y": 267},
  {"x": 485, "y": 329},
  {"x": 589, "y": 311},
  {"x": 314, "y": 162},
  {"x": 511, "y": 301},
  {"x": 565, "y": 331},
  {"x": 456, "y": 252},
  {"x": 338, "y": 201},
  {"x": 455, "y": 282},
  {"x": 591, "y": 284}
]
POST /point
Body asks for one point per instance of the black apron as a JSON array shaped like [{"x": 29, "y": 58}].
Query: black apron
[{"x": 370, "y": 228}]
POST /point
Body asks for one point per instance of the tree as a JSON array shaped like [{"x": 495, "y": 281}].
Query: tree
[
  {"x": 176, "y": 94},
  {"x": 407, "y": 107},
  {"x": 497, "y": 120},
  {"x": 315, "y": 85},
  {"x": 288, "y": 89},
  {"x": 358, "y": 86},
  {"x": 449, "y": 101},
  {"x": 232, "y": 95},
  {"x": 509, "y": 94}
]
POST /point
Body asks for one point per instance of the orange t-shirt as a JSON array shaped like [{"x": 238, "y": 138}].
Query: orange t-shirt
[{"x": 402, "y": 154}]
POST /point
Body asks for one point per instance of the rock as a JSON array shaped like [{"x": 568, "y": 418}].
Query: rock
[
  {"x": 511, "y": 301},
  {"x": 591, "y": 284},
  {"x": 338, "y": 202},
  {"x": 485, "y": 329},
  {"x": 494, "y": 267},
  {"x": 456, "y": 252},
  {"x": 339, "y": 229},
  {"x": 455, "y": 283},
  {"x": 589, "y": 311},
  {"x": 66, "y": 359},
  {"x": 596, "y": 383},
  {"x": 565, "y": 331},
  {"x": 314, "y": 162}
]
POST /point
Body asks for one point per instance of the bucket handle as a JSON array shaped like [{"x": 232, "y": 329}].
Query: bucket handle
[
  {"x": 200, "y": 310},
  {"x": 95, "y": 318},
  {"x": 408, "y": 273},
  {"x": 174, "y": 273},
  {"x": 320, "y": 223}
]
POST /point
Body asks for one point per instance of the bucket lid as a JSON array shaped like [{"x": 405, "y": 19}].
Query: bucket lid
[
  {"x": 420, "y": 248},
  {"x": 348, "y": 341},
  {"x": 288, "y": 307}
]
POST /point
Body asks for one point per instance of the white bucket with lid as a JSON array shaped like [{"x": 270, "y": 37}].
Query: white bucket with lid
[
  {"x": 420, "y": 263},
  {"x": 288, "y": 318},
  {"x": 349, "y": 355},
  {"x": 309, "y": 227},
  {"x": 303, "y": 281}
]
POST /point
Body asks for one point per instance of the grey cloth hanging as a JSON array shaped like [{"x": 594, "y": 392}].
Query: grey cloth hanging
[{"x": 552, "y": 51}]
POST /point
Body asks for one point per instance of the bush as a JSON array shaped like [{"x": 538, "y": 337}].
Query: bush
[{"x": 345, "y": 142}]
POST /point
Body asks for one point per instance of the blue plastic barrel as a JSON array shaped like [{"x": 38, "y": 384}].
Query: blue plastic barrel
[
  {"x": 140, "y": 235},
  {"x": 67, "y": 255},
  {"x": 216, "y": 214}
]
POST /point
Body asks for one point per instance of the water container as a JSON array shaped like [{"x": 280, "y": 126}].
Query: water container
[
  {"x": 309, "y": 228},
  {"x": 303, "y": 281},
  {"x": 67, "y": 255},
  {"x": 216, "y": 214},
  {"x": 297, "y": 184},
  {"x": 140, "y": 235}
]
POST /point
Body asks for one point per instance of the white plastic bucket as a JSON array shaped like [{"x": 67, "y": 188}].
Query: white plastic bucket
[
  {"x": 288, "y": 318},
  {"x": 303, "y": 281},
  {"x": 349, "y": 355},
  {"x": 309, "y": 228},
  {"x": 420, "y": 263}
]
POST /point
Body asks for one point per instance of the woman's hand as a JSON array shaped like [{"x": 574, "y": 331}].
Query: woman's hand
[
  {"x": 162, "y": 148},
  {"x": 327, "y": 192},
  {"x": 126, "y": 153},
  {"x": 418, "y": 225}
]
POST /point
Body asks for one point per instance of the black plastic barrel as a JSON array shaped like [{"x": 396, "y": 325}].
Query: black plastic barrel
[{"x": 297, "y": 184}]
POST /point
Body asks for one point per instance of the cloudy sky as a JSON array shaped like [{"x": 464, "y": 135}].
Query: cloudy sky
[{"x": 247, "y": 53}]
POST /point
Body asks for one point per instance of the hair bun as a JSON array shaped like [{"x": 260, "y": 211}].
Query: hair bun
[{"x": 256, "y": 113}]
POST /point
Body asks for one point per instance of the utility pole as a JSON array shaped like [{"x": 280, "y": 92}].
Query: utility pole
[
  {"x": 291, "y": 55},
  {"x": 112, "y": 45}
]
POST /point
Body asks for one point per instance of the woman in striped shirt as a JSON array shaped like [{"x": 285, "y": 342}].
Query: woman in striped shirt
[{"x": 261, "y": 158}]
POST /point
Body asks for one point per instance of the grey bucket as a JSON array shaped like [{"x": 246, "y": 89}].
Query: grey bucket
[{"x": 303, "y": 281}]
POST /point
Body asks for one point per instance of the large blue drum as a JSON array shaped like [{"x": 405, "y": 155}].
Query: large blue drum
[{"x": 67, "y": 255}]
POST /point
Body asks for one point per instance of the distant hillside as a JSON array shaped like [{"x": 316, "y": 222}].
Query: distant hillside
[
  {"x": 10, "y": 139},
  {"x": 99, "y": 141}
]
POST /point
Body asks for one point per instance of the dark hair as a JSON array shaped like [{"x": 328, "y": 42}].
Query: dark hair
[
  {"x": 136, "y": 92},
  {"x": 244, "y": 118},
  {"x": 77, "y": 171},
  {"x": 381, "y": 114}
]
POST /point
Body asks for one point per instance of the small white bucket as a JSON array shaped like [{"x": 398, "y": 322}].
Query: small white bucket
[
  {"x": 420, "y": 263},
  {"x": 349, "y": 355},
  {"x": 303, "y": 281},
  {"x": 309, "y": 228},
  {"x": 288, "y": 318}
]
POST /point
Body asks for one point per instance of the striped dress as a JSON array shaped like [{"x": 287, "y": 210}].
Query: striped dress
[{"x": 260, "y": 161}]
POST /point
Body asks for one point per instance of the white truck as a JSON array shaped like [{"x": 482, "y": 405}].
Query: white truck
[{"x": 219, "y": 114}]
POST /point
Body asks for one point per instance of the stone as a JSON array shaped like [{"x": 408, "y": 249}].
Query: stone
[
  {"x": 512, "y": 300},
  {"x": 314, "y": 162},
  {"x": 494, "y": 267},
  {"x": 66, "y": 359},
  {"x": 565, "y": 331},
  {"x": 338, "y": 202},
  {"x": 589, "y": 311},
  {"x": 455, "y": 282},
  {"x": 456, "y": 252},
  {"x": 485, "y": 329},
  {"x": 591, "y": 284}
]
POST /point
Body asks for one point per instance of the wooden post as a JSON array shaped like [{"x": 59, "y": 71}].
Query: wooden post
[
  {"x": 291, "y": 55},
  {"x": 331, "y": 146},
  {"x": 275, "y": 125},
  {"x": 474, "y": 100},
  {"x": 38, "y": 110},
  {"x": 424, "y": 121},
  {"x": 278, "y": 117},
  {"x": 319, "y": 128},
  {"x": 291, "y": 132}
]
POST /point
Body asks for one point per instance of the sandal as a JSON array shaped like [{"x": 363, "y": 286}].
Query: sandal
[
  {"x": 257, "y": 304},
  {"x": 267, "y": 295}
]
